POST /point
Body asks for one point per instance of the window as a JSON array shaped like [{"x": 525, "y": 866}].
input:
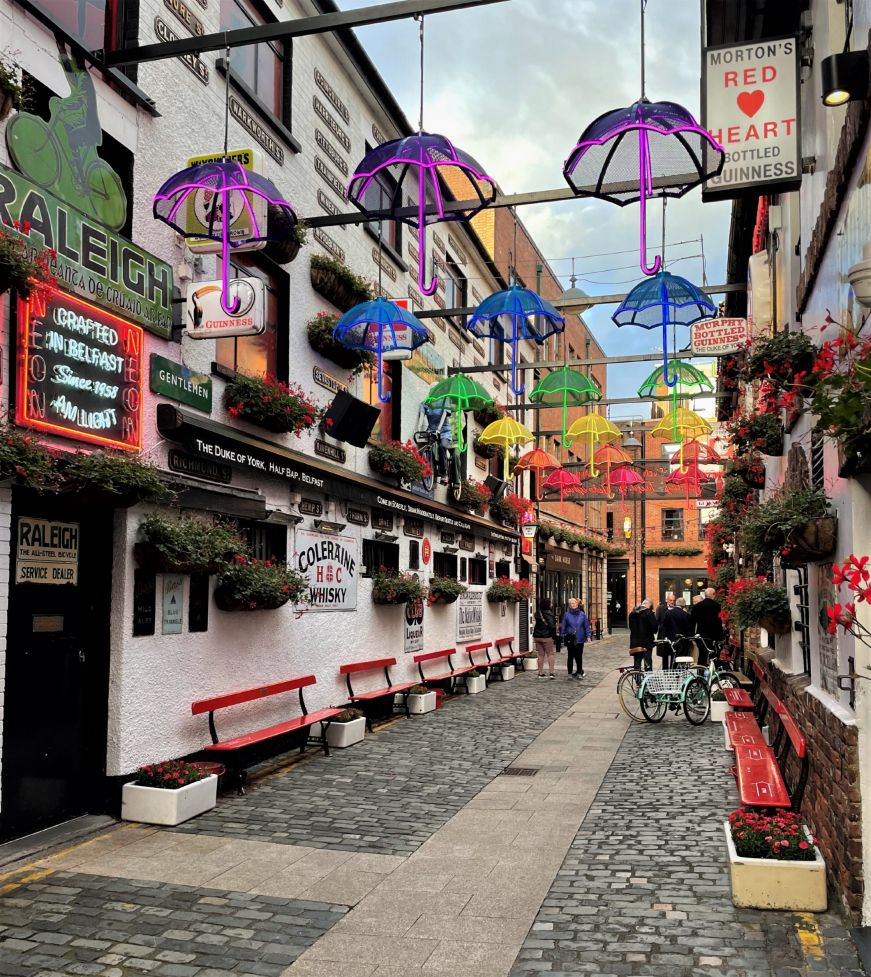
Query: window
[
  {"x": 413, "y": 554},
  {"x": 382, "y": 194},
  {"x": 609, "y": 523},
  {"x": 477, "y": 571},
  {"x": 96, "y": 23},
  {"x": 456, "y": 289},
  {"x": 445, "y": 565},
  {"x": 503, "y": 568},
  {"x": 258, "y": 356},
  {"x": 265, "y": 540},
  {"x": 463, "y": 568},
  {"x": 259, "y": 67},
  {"x": 377, "y": 554},
  {"x": 672, "y": 524}
]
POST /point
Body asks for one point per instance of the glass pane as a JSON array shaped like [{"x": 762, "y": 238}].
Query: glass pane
[
  {"x": 268, "y": 83},
  {"x": 85, "y": 19}
]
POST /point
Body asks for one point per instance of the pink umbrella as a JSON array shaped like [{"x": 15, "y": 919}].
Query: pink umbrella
[
  {"x": 624, "y": 478},
  {"x": 563, "y": 480},
  {"x": 689, "y": 476}
]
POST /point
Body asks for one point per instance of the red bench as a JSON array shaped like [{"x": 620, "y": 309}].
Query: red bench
[
  {"x": 511, "y": 655},
  {"x": 738, "y": 698},
  {"x": 486, "y": 666},
  {"x": 449, "y": 678},
  {"x": 250, "y": 748},
  {"x": 379, "y": 703}
]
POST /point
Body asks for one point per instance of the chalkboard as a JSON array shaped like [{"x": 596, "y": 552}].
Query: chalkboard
[{"x": 144, "y": 598}]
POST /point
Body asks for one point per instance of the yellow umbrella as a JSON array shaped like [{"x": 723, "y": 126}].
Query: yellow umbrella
[
  {"x": 686, "y": 423},
  {"x": 598, "y": 429},
  {"x": 506, "y": 432}
]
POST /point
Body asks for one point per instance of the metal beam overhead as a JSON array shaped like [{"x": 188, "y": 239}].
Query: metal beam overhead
[{"x": 284, "y": 29}]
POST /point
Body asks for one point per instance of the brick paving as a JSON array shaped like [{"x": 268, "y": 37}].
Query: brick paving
[{"x": 644, "y": 889}]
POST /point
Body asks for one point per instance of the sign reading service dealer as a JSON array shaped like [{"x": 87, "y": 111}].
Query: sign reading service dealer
[{"x": 47, "y": 552}]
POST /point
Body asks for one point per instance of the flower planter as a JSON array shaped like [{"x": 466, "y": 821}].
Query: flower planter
[
  {"x": 153, "y": 805},
  {"x": 507, "y": 672},
  {"x": 769, "y": 883},
  {"x": 776, "y": 625},
  {"x": 148, "y": 557},
  {"x": 854, "y": 458},
  {"x": 814, "y": 541},
  {"x": 334, "y": 289},
  {"x": 226, "y": 600},
  {"x": 475, "y": 684},
  {"x": 389, "y": 602},
  {"x": 343, "y": 735},
  {"x": 719, "y": 708},
  {"x": 530, "y": 663},
  {"x": 773, "y": 445},
  {"x": 446, "y": 599},
  {"x": 419, "y": 704},
  {"x": 348, "y": 359}
]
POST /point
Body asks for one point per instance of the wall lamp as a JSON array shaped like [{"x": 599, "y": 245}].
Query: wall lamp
[
  {"x": 451, "y": 549},
  {"x": 844, "y": 77},
  {"x": 331, "y": 528},
  {"x": 386, "y": 537}
]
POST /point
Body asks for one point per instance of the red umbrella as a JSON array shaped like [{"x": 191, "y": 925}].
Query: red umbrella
[
  {"x": 626, "y": 477},
  {"x": 690, "y": 476},
  {"x": 609, "y": 456},
  {"x": 537, "y": 461},
  {"x": 563, "y": 480},
  {"x": 696, "y": 451}
]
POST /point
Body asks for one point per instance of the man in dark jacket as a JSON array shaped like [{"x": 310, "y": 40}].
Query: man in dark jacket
[
  {"x": 642, "y": 635},
  {"x": 706, "y": 620},
  {"x": 677, "y": 628}
]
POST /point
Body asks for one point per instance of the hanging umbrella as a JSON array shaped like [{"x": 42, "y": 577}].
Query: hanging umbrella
[
  {"x": 690, "y": 382},
  {"x": 610, "y": 456},
  {"x": 690, "y": 477},
  {"x": 506, "y": 433},
  {"x": 648, "y": 149},
  {"x": 564, "y": 481},
  {"x": 222, "y": 195},
  {"x": 537, "y": 461},
  {"x": 464, "y": 394},
  {"x": 566, "y": 388},
  {"x": 662, "y": 301},
  {"x": 597, "y": 429},
  {"x": 380, "y": 326},
  {"x": 623, "y": 479},
  {"x": 686, "y": 422},
  {"x": 513, "y": 315},
  {"x": 696, "y": 451},
  {"x": 418, "y": 159}
]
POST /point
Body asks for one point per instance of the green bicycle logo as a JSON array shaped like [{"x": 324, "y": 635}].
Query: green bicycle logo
[{"x": 61, "y": 155}]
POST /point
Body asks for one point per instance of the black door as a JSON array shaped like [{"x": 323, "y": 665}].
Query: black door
[
  {"x": 617, "y": 594},
  {"x": 54, "y": 727}
]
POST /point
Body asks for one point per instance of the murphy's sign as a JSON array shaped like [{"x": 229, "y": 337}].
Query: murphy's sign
[{"x": 91, "y": 261}]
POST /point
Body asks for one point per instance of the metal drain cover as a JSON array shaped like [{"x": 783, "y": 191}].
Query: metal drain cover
[{"x": 520, "y": 771}]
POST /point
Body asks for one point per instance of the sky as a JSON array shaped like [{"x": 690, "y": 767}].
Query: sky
[{"x": 515, "y": 83}]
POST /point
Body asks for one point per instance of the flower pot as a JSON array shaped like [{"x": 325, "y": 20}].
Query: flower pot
[
  {"x": 343, "y": 735},
  {"x": 475, "y": 684},
  {"x": 227, "y": 600},
  {"x": 148, "y": 557},
  {"x": 507, "y": 672},
  {"x": 815, "y": 540},
  {"x": 419, "y": 704},
  {"x": 770, "y": 883},
  {"x": 776, "y": 625},
  {"x": 446, "y": 599},
  {"x": 153, "y": 805},
  {"x": 719, "y": 708},
  {"x": 530, "y": 663}
]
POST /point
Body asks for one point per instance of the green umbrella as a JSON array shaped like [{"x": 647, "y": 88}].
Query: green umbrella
[
  {"x": 567, "y": 388},
  {"x": 464, "y": 393},
  {"x": 691, "y": 382}
]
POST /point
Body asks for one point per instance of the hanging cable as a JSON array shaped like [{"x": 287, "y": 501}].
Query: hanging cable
[
  {"x": 643, "y": 5},
  {"x": 227, "y": 101},
  {"x": 419, "y": 17}
]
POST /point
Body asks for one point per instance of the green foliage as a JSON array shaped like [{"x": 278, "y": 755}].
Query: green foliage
[
  {"x": 354, "y": 283},
  {"x": 761, "y": 432},
  {"x": 418, "y": 690},
  {"x": 445, "y": 589},
  {"x": 474, "y": 494},
  {"x": 24, "y": 269},
  {"x": 550, "y": 530},
  {"x": 262, "y": 584},
  {"x": 118, "y": 473},
  {"x": 842, "y": 395},
  {"x": 169, "y": 775},
  {"x": 24, "y": 458},
  {"x": 320, "y": 337},
  {"x": 348, "y": 715},
  {"x": 390, "y": 587},
  {"x": 672, "y": 550},
  {"x": 768, "y": 527},
  {"x": 759, "y": 601},
  {"x": 271, "y": 403},
  {"x": 723, "y": 575},
  {"x": 511, "y": 591},
  {"x": 402, "y": 461},
  {"x": 192, "y": 542},
  {"x": 486, "y": 415},
  {"x": 10, "y": 80},
  {"x": 485, "y": 450},
  {"x": 783, "y": 359}
]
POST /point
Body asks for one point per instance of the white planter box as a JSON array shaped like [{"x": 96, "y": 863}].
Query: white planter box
[
  {"x": 507, "y": 672},
  {"x": 530, "y": 664},
  {"x": 418, "y": 704},
  {"x": 768, "y": 883},
  {"x": 719, "y": 708},
  {"x": 475, "y": 685},
  {"x": 153, "y": 805},
  {"x": 342, "y": 735}
]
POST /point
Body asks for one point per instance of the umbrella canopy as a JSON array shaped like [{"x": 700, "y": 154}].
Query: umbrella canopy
[
  {"x": 690, "y": 382},
  {"x": 380, "y": 326},
  {"x": 697, "y": 451},
  {"x": 609, "y": 456},
  {"x": 566, "y": 388},
  {"x": 596, "y": 429},
  {"x": 536, "y": 460},
  {"x": 690, "y": 477},
  {"x": 222, "y": 197},
  {"x": 464, "y": 394},
  {"x": 562, "y": 480},
  {"x": 416, "y": 161},
  {"x": 512, "y": 315},
  {"x": 506, "y": 433},
  {"x": 648, "y": 149},
  {"x": 623, "y": 479},
  {"x": 686, "y": 422},
  {"x": 662, "y": 301}
]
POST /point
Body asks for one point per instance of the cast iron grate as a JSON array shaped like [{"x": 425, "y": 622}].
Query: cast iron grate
[{"x": 520, "y": 771}]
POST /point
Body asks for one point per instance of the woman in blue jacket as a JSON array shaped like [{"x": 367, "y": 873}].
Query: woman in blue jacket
[{"x": 575, "y": 631}]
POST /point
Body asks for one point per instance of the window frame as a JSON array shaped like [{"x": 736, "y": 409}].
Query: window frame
[
  {"x": 672, "y": 535},
  {"x": 480, "y": 568},
  {"x": 376, "y": 547},
  {"x": 438, "y": 566}
]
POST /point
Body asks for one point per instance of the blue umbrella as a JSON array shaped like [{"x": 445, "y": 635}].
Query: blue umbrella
[
  {"x": 382, "y": 327},
  {"x": 513, "y": 315},
  {"x": 664, "y": 300}
]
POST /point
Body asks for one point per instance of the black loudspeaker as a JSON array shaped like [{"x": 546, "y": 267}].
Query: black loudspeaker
[
  {"x": 352, "y": 419},
  {"x": 497, "y": 486}
]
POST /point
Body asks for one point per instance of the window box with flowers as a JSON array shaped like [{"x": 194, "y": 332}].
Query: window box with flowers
[
  {"x": 113, "y": 479},
  {"x": 185, "y": 545},
  {"x": 761, "y": 432},
  {"x": 345, "y": 729},
  {"x": 270, "y": 404},
  {"x": 337, "y": 283},
  {"x": 474, "y": 496},
  {"x": 749, "y": 603},
  {"x": 419, "y": 699},
  {"x": 320, "y": 338},
  {"x": 796, "y": 524},
  {"x": 390, "y": 587},
  {"x": 168, "y": 793},
  {"x": 21, "y": 272},
  {"x": 511, "y": 509},
  {"x": 774, "y": 862},
  {"x": 444, "y": 590},
  {"x": 403, "y": 462},
  {"x": 485, "y": 450},
  {"x": 259, "y": 585},
  {"x": 509, "y": 591}
]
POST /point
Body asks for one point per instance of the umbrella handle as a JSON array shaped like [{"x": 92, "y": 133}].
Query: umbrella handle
[
  {"x": 230, "y": 309},
  {"x": 517, "y": 391},
  {"x": 383, "y": 396},
  {"x": 505, "y": 463},
  {"x": 668, "y": 381},
  {"x": 644, "y": 182},
  {"x": 594, "y": 472},
  {"x": 427, "y": 289}
]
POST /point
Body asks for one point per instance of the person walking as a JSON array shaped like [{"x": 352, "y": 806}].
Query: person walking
[
  {"x": 677, "y": 628},
  {"x": 642, "y": 635},
  {"x": 576, "y": 631},
  {"x": 707, "y": 624},
  {"x": 543, "y": 635}
]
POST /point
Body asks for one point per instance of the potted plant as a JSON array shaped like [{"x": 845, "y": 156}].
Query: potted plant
[
  {"x": 486, "y": 415},
  {"x": 507, "y": 671},
  {"x": 186, "y": 545},
  {"x": 168, "y": 793},
  {"x": 258, "y": 585},
  {"x": 320, "y": 338},
  {"x": 510, "y": 591},
  {"x": 750, "y": 469},
  {"x": 784, "y": 360},
  {"x": 271, "y": 404},
  {"x": 796, "y": 523},
  {"x": 757, "y": 602},
  {"x": 391, "y": 587},
  {"x": 511, "y": 509},
  {"x": 473, "y": 495},
  {"x": 530, "y": 662},
  {"x": 345, "y": 729},
  {"x": 285, "y": 249},
  {"x": 475, "y": 682},
  {"x": 337, "y": 283},
  {"x": 11, "y": 92},
  {"x": 761, "y": 432},
  {"x": 25, "y": 459},
  {"x": 485, "y": 450},
  {"x": 719, "y": 706},
  {"x": 24, "y": 269},
  {"x": 444, "y": 590},
  {"x": 774, "y": 862},
  {"x": 400, "y": 461},
  {"x": 420, "y": 699},
  {"x": 113, "y": 479}
]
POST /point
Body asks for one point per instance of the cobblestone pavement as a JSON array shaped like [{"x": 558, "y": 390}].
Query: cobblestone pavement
[
  {"x": 388, "y": 794},
  {"x": 644, "y": 889}
]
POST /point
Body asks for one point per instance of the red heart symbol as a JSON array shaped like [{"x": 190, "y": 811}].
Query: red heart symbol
[{"x": 751, "y": 102}]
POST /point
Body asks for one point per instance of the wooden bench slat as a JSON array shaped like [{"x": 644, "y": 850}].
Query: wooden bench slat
[
  {"x": 250, "y": 695},
  {"x": 270, "y": 732},
  {"x": 366, "y": 666},
  {"x": 738, "y": 698},
  {"x": 760, "y": 783}
]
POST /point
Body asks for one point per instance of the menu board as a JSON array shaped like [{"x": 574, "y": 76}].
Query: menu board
[{"x": 80, "y": 371}]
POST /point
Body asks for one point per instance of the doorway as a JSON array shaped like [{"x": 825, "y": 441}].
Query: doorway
[
  {"x": 618, "y": 573},
  {"x": 57, "y": 663},
  {"x": 683, "y": 583}
]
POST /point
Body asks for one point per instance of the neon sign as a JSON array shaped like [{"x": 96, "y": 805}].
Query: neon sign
[{"x": 79, "y": 372}]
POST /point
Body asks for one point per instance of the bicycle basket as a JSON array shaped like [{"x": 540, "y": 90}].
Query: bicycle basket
[{"x": 663, "y": 681}]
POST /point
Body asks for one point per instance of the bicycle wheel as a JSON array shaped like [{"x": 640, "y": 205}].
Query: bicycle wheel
[
  {"x": 696, "y": 701},
  {"x": 106, "y": 198},
  {"x": 725, "y": 680},
  {"x": 33, "y": 148},
  {"x": 652, "y": 707},
  {"x": 428, "y": 453},
  {"x": 628, "y": 686}
]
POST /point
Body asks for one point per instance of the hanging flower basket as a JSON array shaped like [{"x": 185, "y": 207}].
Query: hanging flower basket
[
  {"x": 444, "y": 590},
  {"x": 25, "y": 459},
  {"x": 761, "y": 432},
  {"x": 473, "y": 495},
  {"x": 285, "y": 250},
  {"x": 400, "y": 461},
  {"x": 337, "y": 283},
  {"x": 19, "y": 271},
  {"x": 259, "y": 585},
  {"x": 757, "y": 602},
  {"x": 816, "y": 540},
  {"x": 854, "y": 457},
  {"x": 185, "y": 545},
  {"x": 485, "y": 450},
  {"x": 113, "y": 480},
  {"x": 487, "y": 415},
  {"x": 390, "y": 587},
  {"x": 320, "y": 338},
  {"x": 508, "y": 591},
  {"x": 271, "y": 404}
]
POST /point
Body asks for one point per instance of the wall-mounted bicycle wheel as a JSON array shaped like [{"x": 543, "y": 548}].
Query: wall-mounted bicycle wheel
[{"x": 696, "y": 701}]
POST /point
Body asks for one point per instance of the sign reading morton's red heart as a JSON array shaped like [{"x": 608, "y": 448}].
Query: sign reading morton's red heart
[{"x": 750, "y": 106}]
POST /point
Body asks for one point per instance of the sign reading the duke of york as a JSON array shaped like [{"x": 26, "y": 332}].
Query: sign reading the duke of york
[
  {"x": 79, "y": 372},
  {"x": 47, "y": 552},
  {"x": 179, "y": 382},
  {"x": 331, "y": 565}
]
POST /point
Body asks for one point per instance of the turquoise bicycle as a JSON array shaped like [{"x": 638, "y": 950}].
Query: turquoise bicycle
[{"x": 669, "y": 690}]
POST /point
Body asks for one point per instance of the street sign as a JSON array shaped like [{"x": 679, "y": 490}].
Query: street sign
[
  {"x": 206, "y": 319},
  {"x": 716, "y": 337},
  {"x": 707, "y": 503}
]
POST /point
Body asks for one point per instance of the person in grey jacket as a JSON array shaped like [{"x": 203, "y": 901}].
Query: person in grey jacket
[
  {"x": 543, "y": 634},
  {"x": 576, "y": 631}
]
